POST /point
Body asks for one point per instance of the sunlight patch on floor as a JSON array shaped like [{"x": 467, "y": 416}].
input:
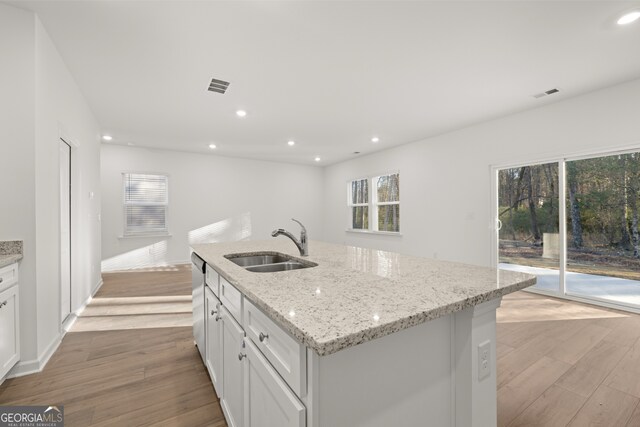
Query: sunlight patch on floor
[
  {"x": 108, "y": 314},
  {"x": 541, "y": 310},
  {"x": 148, "y": 256}
]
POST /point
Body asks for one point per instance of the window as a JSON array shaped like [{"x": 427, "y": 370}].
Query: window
[
  {"x": 146, "y": 201},
  {"x": 376, "y": 210},
  {"x": 359, "y": 204}
]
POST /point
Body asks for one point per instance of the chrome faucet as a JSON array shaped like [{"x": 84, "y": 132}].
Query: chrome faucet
[{"x": 302, "y": 244}]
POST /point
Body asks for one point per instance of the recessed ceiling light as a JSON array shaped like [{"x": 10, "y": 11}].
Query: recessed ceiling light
[
  {"x": 317, "y": 159},
  {"x": 375, "y": 139},
  {"x": 629, "y": 17},
  {"x": 131, "y": 144},
  {"x": 291, "y": 143},
  {"x": 212, "y": 146},
  {"x": 107, "y": 137},
  {"x": 241, "y": 113}
]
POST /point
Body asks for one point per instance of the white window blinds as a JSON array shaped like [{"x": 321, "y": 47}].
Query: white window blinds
[{"x": 146, "y": 201}]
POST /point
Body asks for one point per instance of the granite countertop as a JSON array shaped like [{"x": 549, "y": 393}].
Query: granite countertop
[
  {"x": 355, "y": 294},
  {"x": 9, "y": 259},
  {"x": 10, "y": 252}
]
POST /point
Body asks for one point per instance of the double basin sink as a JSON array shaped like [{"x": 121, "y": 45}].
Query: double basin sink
[{"x": 269, "y": 262}]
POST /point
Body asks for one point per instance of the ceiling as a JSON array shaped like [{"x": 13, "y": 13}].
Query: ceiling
[{"x": 328, "y": 74}]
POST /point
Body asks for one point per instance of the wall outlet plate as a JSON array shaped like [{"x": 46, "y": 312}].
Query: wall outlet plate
[{"x": 484, "y": 360}]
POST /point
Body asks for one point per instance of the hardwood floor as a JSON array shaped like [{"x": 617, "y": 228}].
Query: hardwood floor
[
  {"x": 562, "y": 363},
  {"x": 130, "y": 360}
]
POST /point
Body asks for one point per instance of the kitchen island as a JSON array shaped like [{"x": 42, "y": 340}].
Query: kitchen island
[{"x": 384, "y": 338}]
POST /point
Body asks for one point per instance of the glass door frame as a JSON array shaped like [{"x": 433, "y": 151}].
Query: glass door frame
[{"x": 562, "y": 221}]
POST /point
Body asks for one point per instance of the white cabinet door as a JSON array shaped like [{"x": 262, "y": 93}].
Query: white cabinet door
[
  {"x": 213, "y": 327},
  {"x": 268, "y": 400},
  {"x": 9, "y": 346},
  {"x": 233, "y": 356}
]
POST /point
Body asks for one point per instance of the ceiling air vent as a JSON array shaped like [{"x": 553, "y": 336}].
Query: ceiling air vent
[
  {"x": 546, "y": 93},
  {"x": 219, "y": 86}
]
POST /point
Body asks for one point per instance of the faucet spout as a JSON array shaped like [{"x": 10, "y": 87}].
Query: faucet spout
[
  {"x": 277, "y": 232},
  {"x": 301, "y": 244}
]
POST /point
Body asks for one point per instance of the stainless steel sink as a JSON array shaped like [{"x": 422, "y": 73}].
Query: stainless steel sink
[
  {"x": 283, "y": 266},
  {"x": 251, "y": 260},
  {"x": 268, "y": 262}
]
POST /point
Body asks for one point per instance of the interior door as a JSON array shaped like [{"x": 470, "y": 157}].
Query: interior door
[{"x": 65, "y": 230}]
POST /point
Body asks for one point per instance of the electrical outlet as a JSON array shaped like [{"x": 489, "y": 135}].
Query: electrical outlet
[{"x": 484, "y": 360}]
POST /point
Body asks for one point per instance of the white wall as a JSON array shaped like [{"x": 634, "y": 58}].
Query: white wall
[
  {"x": 445, "y": 187},
  {"x": 61, "y": 111},
  {"x": 212, "y": 197},
  {"x": 39, "y": 103},
  {"x": 17, "y": 156}
]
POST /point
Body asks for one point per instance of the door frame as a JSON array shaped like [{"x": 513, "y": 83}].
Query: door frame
[
  {"x": 561, "y": 160},
  {"x": 71, "y": 236}
]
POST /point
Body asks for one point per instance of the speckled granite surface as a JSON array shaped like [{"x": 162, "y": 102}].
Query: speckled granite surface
[
  {"x": 10, "y": 252},
  {"x": 355, "y": 294}
]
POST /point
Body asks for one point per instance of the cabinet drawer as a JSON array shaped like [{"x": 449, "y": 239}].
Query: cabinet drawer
[
  {"x": 231, "y": 298},
  {"x": 286, "y": 354},
  {"x": 8, "y": 276},
  {"x": 212, "y": 280}
]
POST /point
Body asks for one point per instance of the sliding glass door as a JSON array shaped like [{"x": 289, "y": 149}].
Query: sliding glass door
[
  {"x": 603, "y": 256},
  {"x": 528, "y": 214},
  {"x": 596, "y": 253}
]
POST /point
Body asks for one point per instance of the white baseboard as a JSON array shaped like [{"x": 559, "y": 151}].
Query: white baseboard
[
  {"x": 96, "y": 288},
  {"x": 26, "y": 367}
]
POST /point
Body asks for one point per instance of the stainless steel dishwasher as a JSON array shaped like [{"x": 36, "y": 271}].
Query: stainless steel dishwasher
[{"x": 197, "y": 295}]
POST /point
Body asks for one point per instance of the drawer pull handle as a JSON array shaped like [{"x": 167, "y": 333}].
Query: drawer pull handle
[
  {"x": 218, "y": 317},
  {"x": 263, "y": 337},
  {"x": 213, "y": 312},
  {"x": 241, "y": 356},
  {"x": 3, "y": 304}
]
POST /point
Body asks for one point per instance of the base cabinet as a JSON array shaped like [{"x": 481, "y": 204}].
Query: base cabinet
[
  {"x": 213, "y": 331},
  {"x": 265, "y": 378},
  {"x": 9, "y": 337},
  {"x": 233, "y": 355},
  {"x": 268, "y": 400}
]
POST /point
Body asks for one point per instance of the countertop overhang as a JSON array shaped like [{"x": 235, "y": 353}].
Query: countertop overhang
[
  {"x": 9, "y": 259},
  {"x": 357, "y": 294}
]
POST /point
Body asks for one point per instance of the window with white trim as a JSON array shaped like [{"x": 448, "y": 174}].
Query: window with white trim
[
  {"x": 146, "y": 203},
  {"x": 374, "y": 203}
]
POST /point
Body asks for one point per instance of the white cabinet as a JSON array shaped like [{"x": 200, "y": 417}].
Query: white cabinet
[
  {"x": 231, "y": 298},
  {"x": 286, "y": 354},
  {"x": 259, "y": 376},
  {"x": 213, "y": 328},
  {"x": 268, "y": 400},
  {"x": 233, "y": 355},
  {"x": 212, "y": 279},
  {"x": 9, "y": 330}
]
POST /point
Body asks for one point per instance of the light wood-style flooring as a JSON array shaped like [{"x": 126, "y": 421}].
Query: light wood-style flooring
[
  {"x": 562, "y": 363},
  {"x": 130, "y": 360}
]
